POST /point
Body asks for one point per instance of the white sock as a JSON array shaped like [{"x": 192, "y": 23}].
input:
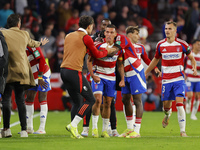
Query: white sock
[
  {"x": 29, "y": 115},
  {"x": 195, "y": 108},
  {"x": 95, "y": 121},
  {"x": 105, "y": 124},
  {"x": 129, "y": 121},
  {"x": 43, "y": 115},
  {"x": 76, "y": 121},
  {"x": 124, "y": 112},
  {"x": 137, "y": 128},
  {"x": 181, "y": 118},
  {"x": 134, "y": 113}
]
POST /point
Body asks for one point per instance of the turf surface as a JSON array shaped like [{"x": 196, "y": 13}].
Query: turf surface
[{"x": 153, "y": 135}]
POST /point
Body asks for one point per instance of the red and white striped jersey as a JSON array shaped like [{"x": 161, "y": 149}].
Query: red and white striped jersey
[
  {"x": 188, "y": 70},
  {"x": 105, "y": 67},
  {"x": 141, "y": 53},
  {"x": 35, "y": 56},
  {"x": 132, "y": 65},
  {"x": 172, "y": 55}
]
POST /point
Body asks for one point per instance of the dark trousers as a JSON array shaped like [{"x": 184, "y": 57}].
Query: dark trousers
[
  {"x": 78, "y": 88},
  {"x": 20, "y": 101}
]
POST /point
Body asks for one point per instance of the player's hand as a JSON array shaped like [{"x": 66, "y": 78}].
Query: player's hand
[
  {"x": 122, "y": 83},
  {"x": 42, "y": 84},
  {"x": 44, "y": 41},
  {"x": 157, "y": 71},
  {"x": 96, "y": 79},
  {"x": 194, "y": 71},
  {"x": 112, "y": 51}
]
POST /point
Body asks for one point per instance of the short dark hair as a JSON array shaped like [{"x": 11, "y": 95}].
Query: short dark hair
[
  {"x": 132, "y": 29},
  {"x": 172, "y": 22},
  {"x": 196, "y": 40},
  {"x": 13, "y": 20},
  {"x": 85, "y": 21},
  {"x": 111, "y": 26}
]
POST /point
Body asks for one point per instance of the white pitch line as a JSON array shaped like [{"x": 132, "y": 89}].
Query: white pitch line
[{"x": 18, "y": 122}]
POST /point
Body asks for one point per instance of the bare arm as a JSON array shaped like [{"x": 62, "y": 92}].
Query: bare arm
[
  {"x": 152, "y": 65},
  {"x": 89, "y": 65},
  {"x": 193, "y": 62},
  {"x": 121, "y": 72}
]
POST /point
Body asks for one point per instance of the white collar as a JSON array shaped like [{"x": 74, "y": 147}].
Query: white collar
[{"x": 81, "y": 29}]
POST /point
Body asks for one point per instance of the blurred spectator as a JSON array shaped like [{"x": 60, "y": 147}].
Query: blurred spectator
[
  {"x": 96, "y": 5},
  {"x": 132, "y": 22},
  {"x": 87, "y": 11},
  {"x": 179, "y": 7},
  {"x": 123, "y": 16},
  {"x": 143, "y": 22},
  {"x": 113, "y": 17},
  {"x": 105, "y": 11},
  {"x": 79, "y": 4},
  {"x": 49, "y": 48},
  {"x": 144, "y": 6},
  {"x": 73, "y": 21},
  {"x": 152, "y": 10},
  {"x": 51, "y": 14},
  {"x": 28, "y": 18},
  {"x": 149, "y": 95},
  {"x": 59, "y": 53},
  {"x": 118, "y": 4},
  {"x": 37, "y": 28},
  {"x": 192, "y": 19},
  {"x": 121, "y": 29},
  {"x": 51, "y": 26},
  {"x": 64, "y": 13},
  {"x": 19, "y": 6},
  {"x": 98, "y": 22},
  {"x": 134, "y": 8},
  {"x": 4, "y": 13}
]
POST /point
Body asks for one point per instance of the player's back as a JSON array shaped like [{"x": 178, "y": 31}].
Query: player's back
[
  {"x": 74, "y": 51},
  {"x": 132, "y": 64}
]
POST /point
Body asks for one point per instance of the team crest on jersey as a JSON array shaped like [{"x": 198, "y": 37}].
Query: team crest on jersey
[
  {"x": 36, "y": 53},
  {"x": 96, "y": 86},
  {"x": 178, "y": 49},
  {"x": 118, "y": 42}
]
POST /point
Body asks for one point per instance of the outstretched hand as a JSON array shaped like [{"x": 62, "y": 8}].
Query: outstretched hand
[{"x": 44, "y": 41}]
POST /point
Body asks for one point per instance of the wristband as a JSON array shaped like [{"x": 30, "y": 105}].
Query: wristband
[
  {"x": 39, "y": 75},
  {"x": 40, "y": 78}
]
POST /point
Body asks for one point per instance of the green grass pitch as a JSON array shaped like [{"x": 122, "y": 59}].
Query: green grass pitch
[{"x": 153, "y": 136}]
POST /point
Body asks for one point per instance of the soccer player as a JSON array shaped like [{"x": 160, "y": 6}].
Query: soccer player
[
  {"x": 171, "y": 50},
  {"x": 98, "y": 36},
  {"x": 104, "y": 80},
  {"x": 193, "y": 82},
  {"x": 75, "y": 48},
  {"x": 132, "y": 32},
  {"x": 41, "y": 73},
  {"x": 135, "y": 85}
]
